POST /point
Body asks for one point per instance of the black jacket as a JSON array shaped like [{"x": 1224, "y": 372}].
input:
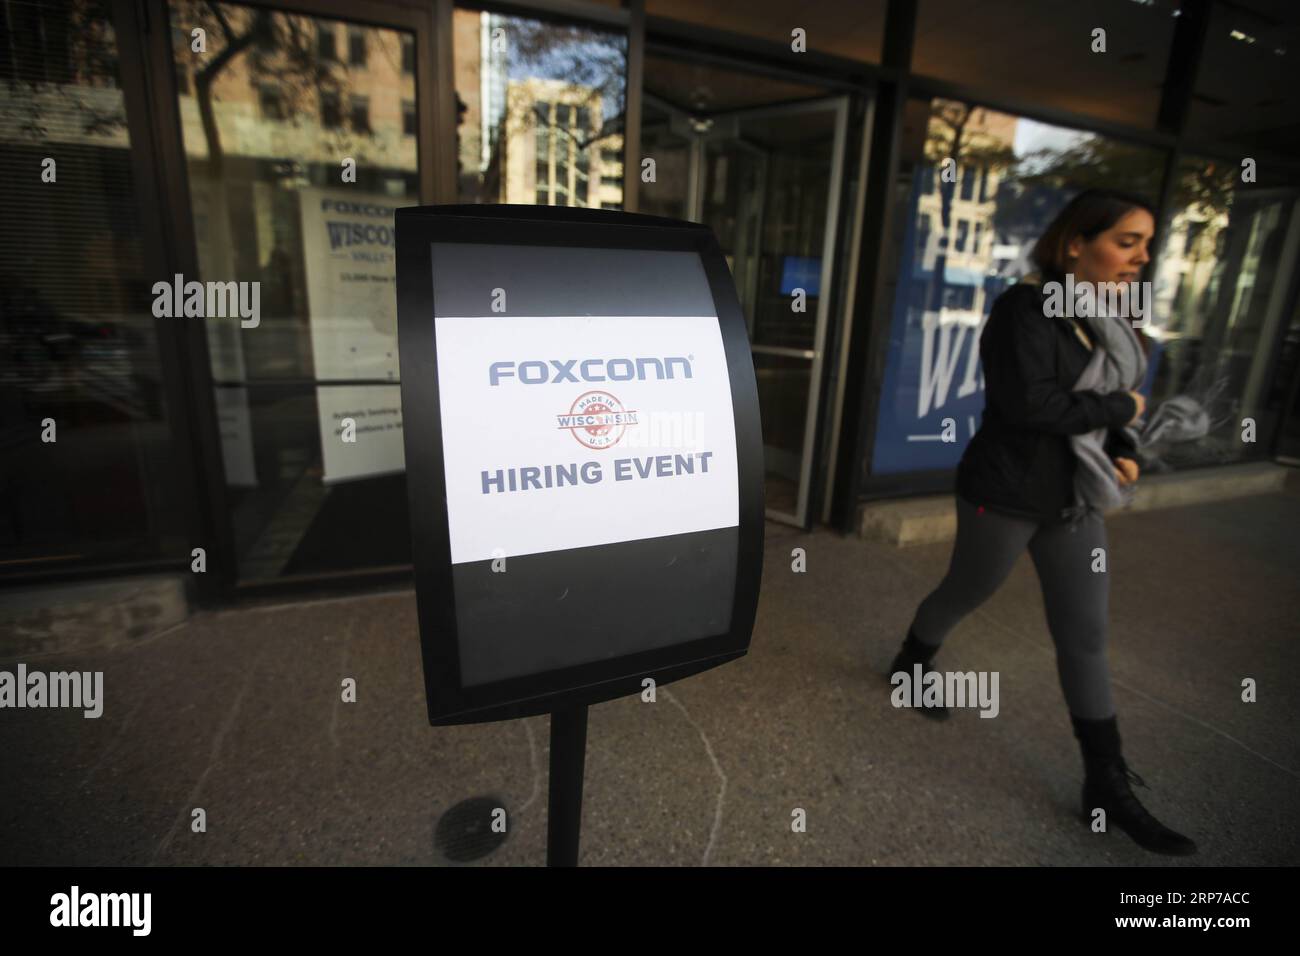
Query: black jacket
[{"x": 1020, "y": 461}]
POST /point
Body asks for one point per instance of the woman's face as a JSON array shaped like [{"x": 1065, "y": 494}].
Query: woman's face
[{"x": 1116, "y": 255}]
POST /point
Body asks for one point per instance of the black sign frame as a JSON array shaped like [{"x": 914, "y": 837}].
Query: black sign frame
[{"x": 417, "y": 230}]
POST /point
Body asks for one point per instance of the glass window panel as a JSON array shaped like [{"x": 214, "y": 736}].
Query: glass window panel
[
  {"x": 519, "y": 79},
  {"x": 357, "y": 47},
  {"x": 271, "y": 101},
  {"x": 274, "y": 204},
  {"x": 671, "y": 151},
  {"x": 326, "y": 41},
  {"x": 1042, "y": 51},
  {"x": 360, "y": 114},
  {"x": 1228, "y": 256},
  {"x": 79, "y": 356},
  {"x": 331, "y": 116},
  {"x": 945, "y": 286},
  {"x": 922, "y": 235}
]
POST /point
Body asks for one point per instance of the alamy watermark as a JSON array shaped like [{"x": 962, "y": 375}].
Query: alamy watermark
[
  {"x": 208, "y": 300},
  {"x": 78, "y": 689},
  {"x": 946, "y": 689},
  {"x": 75, "y": 908},
  {"x": 1123, "y": 300}
]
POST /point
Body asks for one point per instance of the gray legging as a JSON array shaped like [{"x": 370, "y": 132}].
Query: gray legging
[{"x": 1076, "y": 597}]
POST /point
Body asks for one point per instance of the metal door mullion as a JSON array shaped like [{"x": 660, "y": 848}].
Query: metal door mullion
[
  {"x": 694, "y": 193},
  {"x": 823, "y": 308},
  {"x": 752, "y": 277},
  {"x": 849, "y": 284}
]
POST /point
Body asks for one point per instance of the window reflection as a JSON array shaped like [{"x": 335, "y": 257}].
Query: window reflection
[
  {"x": 300, "y": 138},
  {"x": 87, "y": 464},
  {"x": 982, "y": 187},
  {"x": 1220, "y": 294},
  {"x": 541, "y": 110}
]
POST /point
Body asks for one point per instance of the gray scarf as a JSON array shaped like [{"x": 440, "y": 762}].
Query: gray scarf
[{"x": 1117, "y": 364}]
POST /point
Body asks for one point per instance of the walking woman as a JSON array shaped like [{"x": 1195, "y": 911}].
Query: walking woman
[{"x": 1017, "y": 487}]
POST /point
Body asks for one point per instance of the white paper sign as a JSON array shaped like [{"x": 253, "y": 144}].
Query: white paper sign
[
  {"x": 574, "y": 431},
  {"x": 236, "y": 428},
  {"x": 375, "y": 447}
]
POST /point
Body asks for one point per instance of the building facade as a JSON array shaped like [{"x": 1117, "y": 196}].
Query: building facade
[{"x": 876, "y": 174}]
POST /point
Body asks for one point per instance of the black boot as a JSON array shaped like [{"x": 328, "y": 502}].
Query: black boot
[
  {"x": 914, "y": 652},
  {"x": 1106, "y": 785}
]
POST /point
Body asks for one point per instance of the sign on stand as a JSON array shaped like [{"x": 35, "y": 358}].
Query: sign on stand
[{"x": 584, "y": 463}]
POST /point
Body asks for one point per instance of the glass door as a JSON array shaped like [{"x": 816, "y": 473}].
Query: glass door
[
  {"x": 767, "y": 181},
  {"x": 771, "y": 192}
]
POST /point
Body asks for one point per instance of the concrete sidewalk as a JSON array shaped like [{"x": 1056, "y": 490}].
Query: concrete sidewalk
[{"x": 239, "y": 713}]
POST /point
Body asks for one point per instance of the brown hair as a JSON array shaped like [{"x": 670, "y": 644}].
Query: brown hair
[{"x": 1087, "y": 215}]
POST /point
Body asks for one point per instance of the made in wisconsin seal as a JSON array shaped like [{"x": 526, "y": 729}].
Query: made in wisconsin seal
[{"x": 597, "y": 419}]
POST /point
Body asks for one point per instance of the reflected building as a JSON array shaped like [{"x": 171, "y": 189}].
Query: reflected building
[
  {"x": 967, "y": 248},
  {"x": 527, "y": 139}
]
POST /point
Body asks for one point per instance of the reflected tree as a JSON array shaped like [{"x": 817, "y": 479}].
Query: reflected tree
[
  {"x": 277, "y": 52},
  {"x": 957, "y": 136}
]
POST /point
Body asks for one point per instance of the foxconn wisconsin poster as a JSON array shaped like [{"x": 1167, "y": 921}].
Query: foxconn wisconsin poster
[{"x": 348, "y": 251}]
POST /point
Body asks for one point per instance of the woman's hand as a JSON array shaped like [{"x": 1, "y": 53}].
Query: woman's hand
[
  {"x": 1141, "y": 401},
  {"x": 1126, "y": 471}
]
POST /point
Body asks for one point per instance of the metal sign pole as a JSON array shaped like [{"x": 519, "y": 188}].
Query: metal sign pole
[{"x": 564, "y": 806}]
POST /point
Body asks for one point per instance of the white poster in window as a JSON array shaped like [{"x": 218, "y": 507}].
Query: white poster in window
[
  {"x": 236, "y": 429},
  {"x": 576, "y": 431},
  {"x": 347, "y": 239},
  {"x": 360, "y": 431},
  {"x": 351, "y": 300}
]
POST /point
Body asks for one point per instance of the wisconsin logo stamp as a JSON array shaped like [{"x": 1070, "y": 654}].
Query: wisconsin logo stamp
[{"x": 597, "y": 420}]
